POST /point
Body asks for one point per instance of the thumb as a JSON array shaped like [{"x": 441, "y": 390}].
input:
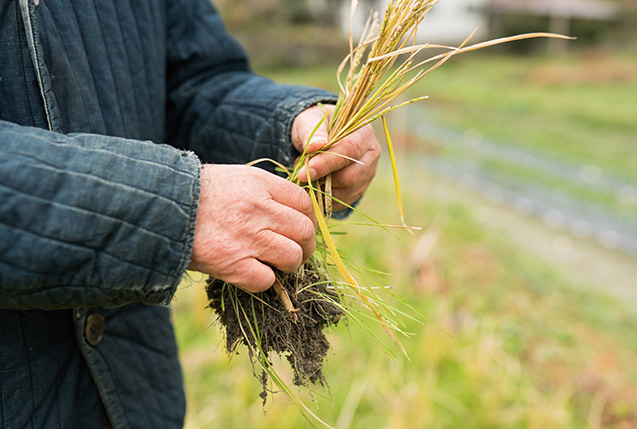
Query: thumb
[
  {"x": 305, "y": 133},
  {"x": 318, "y": 139}
]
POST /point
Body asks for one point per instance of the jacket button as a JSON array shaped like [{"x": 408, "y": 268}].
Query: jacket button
[{"x": 94, "y": 329}]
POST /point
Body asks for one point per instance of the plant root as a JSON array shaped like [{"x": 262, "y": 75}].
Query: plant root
[
  {"x": 285, "y": 298},
  {"x": 290, "y": 326}
]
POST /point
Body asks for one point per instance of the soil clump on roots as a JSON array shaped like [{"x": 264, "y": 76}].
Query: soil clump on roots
[{"x": 262, "y": 322}]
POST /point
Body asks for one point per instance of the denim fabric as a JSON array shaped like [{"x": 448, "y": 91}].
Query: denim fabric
[
  {"x": 36, "y": 389},
  {"x": 97, "y": 217},
  {"x": 216, "y": 106},
  {"x": 92, "y": 220},
  {"x": 20, "y": 98}
]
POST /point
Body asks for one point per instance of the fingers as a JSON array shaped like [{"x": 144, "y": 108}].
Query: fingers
[
  {"x": 323, "y": 164},
  {"x": 355, "y": 174},
  {"x": 304, "y": 128},
  {"x": 301, "y": 231},
  {"x": 255, "y": 273},
  {"x": 293, "y": 226},
  {"x": 288, "y": 244},
  {"x": 292, "y": 196},
  {"x": 249, "y": 222},
  {"x": 349, "y": 179},
  {"x": 361, "y": 148},
  {"x": 281, "y": 253},
  {"x": 252, "y": 275}
]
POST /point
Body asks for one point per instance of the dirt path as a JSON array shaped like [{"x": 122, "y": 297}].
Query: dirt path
[
  {"x": 586, "y": 262},
  {"x": 582, "y": 199},
  {"x": 592, "y": 245}
]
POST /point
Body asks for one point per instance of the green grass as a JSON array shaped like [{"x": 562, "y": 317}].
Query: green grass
[{"x": 565, "y": 109}]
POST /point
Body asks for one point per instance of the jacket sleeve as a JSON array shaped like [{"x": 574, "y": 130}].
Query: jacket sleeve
[
  {"x": 216, "y": 106},
  {"x": 92, "y": 220}
]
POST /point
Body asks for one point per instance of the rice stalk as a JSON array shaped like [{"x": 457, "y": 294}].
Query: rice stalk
[
  {"x": 384, "y": 64},
  {"x": 370, "y": 91}
]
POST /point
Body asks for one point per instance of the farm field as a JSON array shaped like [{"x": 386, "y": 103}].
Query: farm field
[{"x": 531, "y": 321}]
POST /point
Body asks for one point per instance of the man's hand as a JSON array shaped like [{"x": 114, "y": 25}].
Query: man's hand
[
  {"x": 248, "y": 221},
  {"x": 349, "y": 179}
]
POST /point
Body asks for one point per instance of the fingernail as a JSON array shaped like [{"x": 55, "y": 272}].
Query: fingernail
[
  {"x": 302, "y": 175},
  {"x": 312, "y": 174},
  {"x": 315, "y": 145}
]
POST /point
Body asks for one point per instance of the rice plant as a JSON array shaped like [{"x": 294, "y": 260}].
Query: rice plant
[{"x": 289, "y": 319}]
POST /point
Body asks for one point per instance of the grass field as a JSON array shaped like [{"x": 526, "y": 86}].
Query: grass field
[
  {"x": 586, "y": 105},
  {"x": 514, "y": 340}
]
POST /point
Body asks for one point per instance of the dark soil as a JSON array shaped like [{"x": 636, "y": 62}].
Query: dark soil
[{"x": 297, "y": 336}]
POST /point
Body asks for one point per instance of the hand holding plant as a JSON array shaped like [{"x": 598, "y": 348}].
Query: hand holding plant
[
  {"x": 338, "y": 159},
  {"x": 248, "y": 222},
  {"x": 352, "y": 164}
]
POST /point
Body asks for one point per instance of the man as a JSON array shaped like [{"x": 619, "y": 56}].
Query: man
[{"x": 99, "y": 221}]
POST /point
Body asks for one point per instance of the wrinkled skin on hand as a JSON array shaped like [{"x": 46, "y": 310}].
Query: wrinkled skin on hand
[
  {"x": 249, "y": 221},
  {"x": 349, "y": 179}
]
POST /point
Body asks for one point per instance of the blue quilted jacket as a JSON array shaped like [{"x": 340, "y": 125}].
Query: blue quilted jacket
[{"x": 106, "y": 108}]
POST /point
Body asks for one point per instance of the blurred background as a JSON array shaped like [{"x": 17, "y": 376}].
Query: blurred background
[{"x": 521, "y": 170}]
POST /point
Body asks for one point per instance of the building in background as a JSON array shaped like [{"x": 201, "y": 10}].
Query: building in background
[
  {"x": 555, "y": 16},
  {"x": 450, "y": 21},
  {"x": 279, "y": 33}
]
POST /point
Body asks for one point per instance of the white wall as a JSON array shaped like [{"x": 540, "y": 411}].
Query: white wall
[{"x": 448, "y": 22}]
